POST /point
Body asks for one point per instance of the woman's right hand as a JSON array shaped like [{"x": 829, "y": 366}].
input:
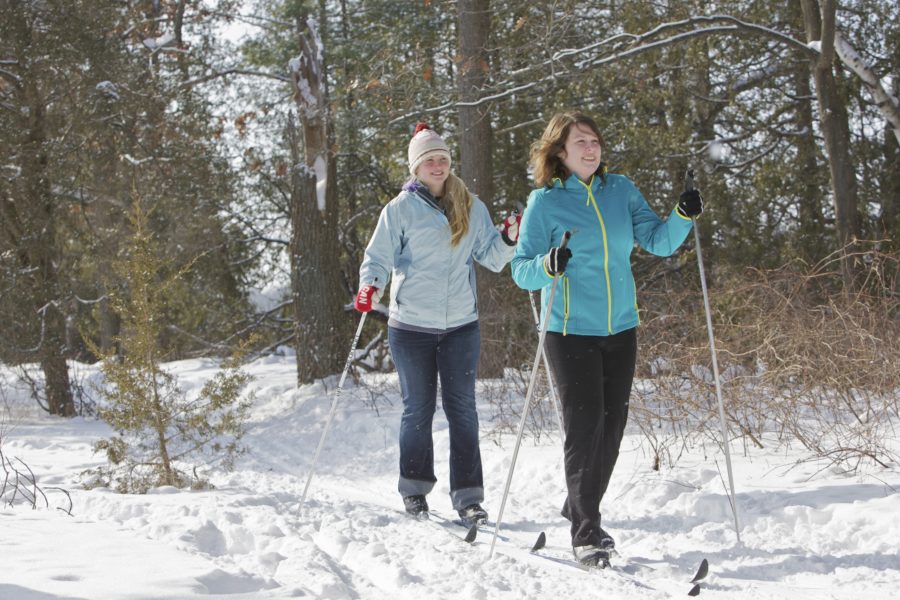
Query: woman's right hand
[
  {"x": 556, "y": 260},
  {"x": 366, "y": 297}
]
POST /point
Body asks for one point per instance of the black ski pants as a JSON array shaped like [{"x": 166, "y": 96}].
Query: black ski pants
[{"x": 593, "y": 376}]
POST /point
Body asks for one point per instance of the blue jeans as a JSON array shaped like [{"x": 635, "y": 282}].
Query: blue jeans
[{"x": 420, "y": 358}]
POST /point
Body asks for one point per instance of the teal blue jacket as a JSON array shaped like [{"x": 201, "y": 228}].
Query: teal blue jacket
[{"x": 596, "y": 295}]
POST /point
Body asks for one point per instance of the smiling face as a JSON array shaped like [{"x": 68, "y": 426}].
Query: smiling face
[
  {"x": 581, "y": 154},
  {"x": 433, "y": 172}
]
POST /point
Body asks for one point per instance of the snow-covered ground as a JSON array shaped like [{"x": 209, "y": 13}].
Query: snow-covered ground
[{"x": 807, "y": 533}]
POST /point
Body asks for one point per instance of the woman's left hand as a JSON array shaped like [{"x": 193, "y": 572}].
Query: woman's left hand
[
  {"x": 509, "y": 228},
  {"x": 690, "y": 204}
]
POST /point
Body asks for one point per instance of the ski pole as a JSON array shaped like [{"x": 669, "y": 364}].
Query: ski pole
[
  {"x": 334, "y": 402},
  {"x": 688, "y": 186},
  {"x": 553, "y": 397},
  {"x": 525, "y": 407}
]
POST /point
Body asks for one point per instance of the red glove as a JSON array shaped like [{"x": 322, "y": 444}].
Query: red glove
[
  {"x": 509, "y": 229},
  {"x": 365, "y": 297}
]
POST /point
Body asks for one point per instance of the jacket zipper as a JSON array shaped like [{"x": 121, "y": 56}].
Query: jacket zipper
[{"x": 592, "y": 200}]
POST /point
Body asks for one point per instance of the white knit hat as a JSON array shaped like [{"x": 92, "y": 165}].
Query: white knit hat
[{"x": 424, "y": 143}]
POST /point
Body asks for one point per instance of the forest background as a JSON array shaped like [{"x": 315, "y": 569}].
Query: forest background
[{"x": 256, "y": 142}]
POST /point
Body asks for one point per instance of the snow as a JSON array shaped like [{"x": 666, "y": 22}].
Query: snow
[
  {"x": 135, "y": 161},
  {"x": 321, "y": 169},
  {"x": 310, "y": 102},
  {"x": 108, "y": 88},
  {"x": 716, "y": 151},
  {"x": 159, "y": 42},
  {"x": 11, "y": 171},
  {"x": 271, "y": 295},
  {"x": 313, "y": 26},
  {"x": 807, "y": 532}
]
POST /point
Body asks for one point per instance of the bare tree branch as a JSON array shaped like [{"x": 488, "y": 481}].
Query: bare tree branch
[
  {"x": 235, "y": 71},
  {"x": 636, "y": 44},
  {"x": 10, "y": 76},
  {"x": 887, "y": 104}
]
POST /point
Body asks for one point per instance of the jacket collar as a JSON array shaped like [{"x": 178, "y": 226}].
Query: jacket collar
[
  {"x": 421, "y": 190},
  {"x": 576, "y": 185}
]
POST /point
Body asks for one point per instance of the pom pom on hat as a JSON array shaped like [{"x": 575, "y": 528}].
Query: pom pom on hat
[{"x": 425, "y": 142}]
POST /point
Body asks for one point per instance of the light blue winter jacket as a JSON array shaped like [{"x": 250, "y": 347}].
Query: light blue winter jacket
[
  {"x": 596, "y": 295},
  {"x": 432, "y": 283}
]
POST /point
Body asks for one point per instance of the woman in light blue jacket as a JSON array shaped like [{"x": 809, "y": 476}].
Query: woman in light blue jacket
[
  {"x": 591, "y": 339},
  {"x": 426, "y": 243}
]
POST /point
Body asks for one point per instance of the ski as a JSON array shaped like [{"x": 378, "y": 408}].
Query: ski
[
  {"x": 568, "y": 562},
  {"x": 484, "y": 526},
  {"x": 471, "y": 530},
  {"x": 471, "y": 534},
  {"x": 605, "y": 564},
  {"x": 702, "y": 572},
  {"x": 541, "y": 542}
]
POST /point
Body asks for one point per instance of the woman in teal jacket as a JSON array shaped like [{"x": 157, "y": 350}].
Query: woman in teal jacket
[{"x": 591, "y": 340}]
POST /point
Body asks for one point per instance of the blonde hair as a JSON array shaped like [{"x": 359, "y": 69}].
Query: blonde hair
[
  {"x": 458, "y": 202},
  {"x": 544, "y": 156}
]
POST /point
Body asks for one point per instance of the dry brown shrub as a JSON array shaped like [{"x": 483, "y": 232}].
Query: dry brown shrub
[
  {"x": 802, "y": 359},
  {"x": 509, "y": 339}
]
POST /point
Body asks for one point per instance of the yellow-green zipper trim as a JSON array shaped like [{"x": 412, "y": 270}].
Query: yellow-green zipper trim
[{"x": 592, "y": 200}]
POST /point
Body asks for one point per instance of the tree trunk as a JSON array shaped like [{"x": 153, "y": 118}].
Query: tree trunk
[
  {"x": 38, "y": 253},
  {"x": 811, "y": 207},
  {"x": 810, "y": 202},
  {"x": 321, "y": 325},
  {"x": 476, "y": 168},
  {"x": 889, "y": 222},
  {"x": 890, "y": 198},
  {"x": 835, "y": 129},
  {"x": 56, "y": 371},
  {"x": 475, "y": 134},
  {"x": 702, "y": 117},
  {"x": 109, "y": 326}
]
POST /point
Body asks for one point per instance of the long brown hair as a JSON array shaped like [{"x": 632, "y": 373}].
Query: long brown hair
[
  {"x": 545, "y": 152},
  {"x": 458, "y": 201}
]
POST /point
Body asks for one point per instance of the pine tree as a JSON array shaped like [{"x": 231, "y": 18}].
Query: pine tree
[{"x": 161, "y": 431}]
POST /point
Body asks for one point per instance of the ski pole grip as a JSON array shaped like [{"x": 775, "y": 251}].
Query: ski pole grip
[
  {"x": 565, "y": 240},
  {"x": 689, "y": 180}
]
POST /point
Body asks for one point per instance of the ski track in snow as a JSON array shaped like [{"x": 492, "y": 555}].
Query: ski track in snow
[{"x": 829, "y": 537}]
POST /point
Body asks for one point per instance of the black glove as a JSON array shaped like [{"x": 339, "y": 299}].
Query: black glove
[
  {"x": 556, "y": 260},
  {"x": 690, "y": 204}
]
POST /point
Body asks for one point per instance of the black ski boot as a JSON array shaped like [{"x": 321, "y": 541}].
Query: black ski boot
[
  {"x": 417, "y": 506},
  {"x": 591, "y": 556},
  {"x": 606, "y": 541},
  {"x": 473, "y": 514}
]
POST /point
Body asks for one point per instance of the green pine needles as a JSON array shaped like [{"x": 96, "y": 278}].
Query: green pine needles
[{"x": 163, "y": 435}]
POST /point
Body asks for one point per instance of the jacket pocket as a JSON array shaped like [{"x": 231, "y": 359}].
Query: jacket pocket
[
  {"x": 396, "y": 287},
  {"x": 473, "y": 288},
  {"x": 564, "y": 300}
]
